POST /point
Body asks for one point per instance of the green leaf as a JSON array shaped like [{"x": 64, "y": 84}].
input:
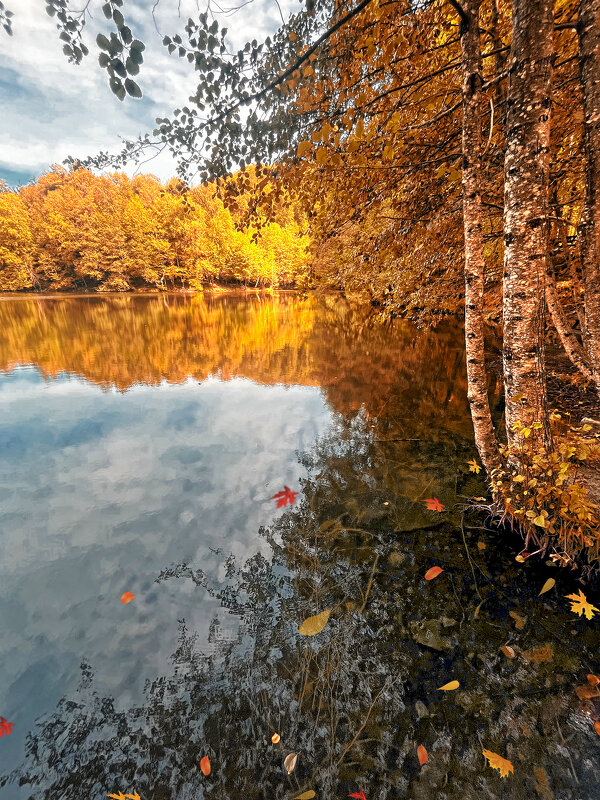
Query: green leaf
[
  {"x": 102, "y": 42},
  {"x": 136, "y": 56},
  {"x": 119, "y": 67},
  {"x": 131, "y": 67},
  {"x": 132, "y": 88},
  {"x": 126, "y": 34},
  {"x": 103, "y": 60}
]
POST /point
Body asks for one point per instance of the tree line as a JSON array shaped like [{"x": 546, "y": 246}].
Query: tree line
[{"x": 74, "y": 230}]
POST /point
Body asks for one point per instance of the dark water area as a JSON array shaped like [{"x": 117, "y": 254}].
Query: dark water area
[{"x": 141, "y": 441}]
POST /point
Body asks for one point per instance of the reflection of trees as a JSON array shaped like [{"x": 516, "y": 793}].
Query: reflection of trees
[
  {"x": 414, "y": 379},
  {"x": 355, "y": 700}
]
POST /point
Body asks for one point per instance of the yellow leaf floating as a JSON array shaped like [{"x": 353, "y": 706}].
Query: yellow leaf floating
[
  {"x": 314, "y": 625},
  {"x": 448, "y": 687},
  {"x": 474, "y": 466},
  {"x": 121, "y": 796},
  {"x": 305, "y": 795},
  {"x": 547, "y": 586},
  {"x": 499, "y": 763},
  {"x": 289, "y": 762},
  {"x": 580, "y": 605}
]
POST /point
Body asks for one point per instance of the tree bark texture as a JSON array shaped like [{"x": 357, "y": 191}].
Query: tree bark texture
[
  {"x": 485, "y": 437},
  {"x": 568, "y": 339},
  {"x": 526, "y": 171},
  {"x": 588, "y": 29}
]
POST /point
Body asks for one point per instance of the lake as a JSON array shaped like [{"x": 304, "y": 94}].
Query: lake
[{"x": 143, "y": 439}]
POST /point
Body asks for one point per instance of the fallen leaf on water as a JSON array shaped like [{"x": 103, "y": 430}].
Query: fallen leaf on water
[
  {"x": 539, "y": 654},
  {"x": 499, "y": 763},
  {"x": 5, "y": 727},
  {"x": 121, "y": 796},
  {"x": 447, "y": 687},
  {"x": 580, "y": 605},
  {"x": 127, "y": 597},
  {"x": 433, "y": 504},
  {"x": 276, "y": 738},
  {"x": 547, "y": 586},
  {"x": 314, "y": 625},
  {"x": 360, "y": 795},
  {"x": 519, "y": 620},
  {"x": 481, "y": 545},
  {"x": 593, "y": 680},
  {"x": 433, "y": 573},
  {"x": 289, "y": 762},
  {"x": 474, "y": 466},
  {"x": 305, "y": 795},
  {"x": 205, "y": 765},
  {"x": 597, "y": 727},
  {"x": 508, "y": 651},
  {"x": 422, "y": 754},
  {"x": 284, "y": 497},
  {"x": 586, "y": 692}
]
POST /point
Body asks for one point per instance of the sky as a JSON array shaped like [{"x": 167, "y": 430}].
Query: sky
[{"x": 53, "y": 109}]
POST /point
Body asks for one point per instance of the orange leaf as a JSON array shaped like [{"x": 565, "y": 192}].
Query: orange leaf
[
  {"x": 127, "y": 597},
  {"x": 597, "y": 727},
  {"x": 586, "y": 692},
  {"x": 448, "y": 687},
  {"x": 499, "y": 763},
  {"x": 519, "y": 621},
  {"x": 205, "y": 765},
  {"x": 593, "y": 680},
  {"x": 539, "y": 654},
  {"x": 276, "y": 738},
  {"x": 433, "y": 573},
  {"x": 508, "y": 651},
  {"x": 422, "y": 754},
  {"x": 433, "y": 504}
]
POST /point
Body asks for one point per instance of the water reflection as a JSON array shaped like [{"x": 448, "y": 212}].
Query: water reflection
[{"x": 164, "y": 485}]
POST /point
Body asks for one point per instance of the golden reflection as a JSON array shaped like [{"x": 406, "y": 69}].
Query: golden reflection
[{"x": 394, "y": 372}]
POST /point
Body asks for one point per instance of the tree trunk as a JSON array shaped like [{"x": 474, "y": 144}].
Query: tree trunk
[
  {"x": 485, "y": 437},
  {"x": 526, "y": 170},
  {"x": 588, "y": 28},
  {"x": 568, "y": 339}
]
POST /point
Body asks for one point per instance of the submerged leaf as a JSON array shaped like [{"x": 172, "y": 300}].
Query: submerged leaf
[
  {"x": 499, "y": 763},
  {"x": 422, "y": 754},
  {"x": 314, "y": 625},
  {"x": 539, "y": 654},
  {"x": 447, "y": 687},
  {"x": 519, "y": 620},
  {"x": 547, "y": 586},
  {"x": 433, "y": 573},
  {"x": 289, "y": 762}
]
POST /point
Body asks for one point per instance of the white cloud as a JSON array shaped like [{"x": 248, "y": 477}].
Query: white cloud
[{"x": 53, "y": 109}]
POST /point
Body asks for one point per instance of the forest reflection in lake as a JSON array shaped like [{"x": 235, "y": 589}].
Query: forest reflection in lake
[{"x": 114, "y": 479}]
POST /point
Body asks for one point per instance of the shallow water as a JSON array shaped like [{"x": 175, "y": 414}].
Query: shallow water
[{"x": 142, "y": 440}]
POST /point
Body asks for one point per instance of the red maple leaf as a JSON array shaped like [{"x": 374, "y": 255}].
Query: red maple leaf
[
  {"x": 433, "y": 504},
  {"x": 360, "y": 795},
  {"x": 5, "y": 727},
  {"x": 285, "y": 497}
]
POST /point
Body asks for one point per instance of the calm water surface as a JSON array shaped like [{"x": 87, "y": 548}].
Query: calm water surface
[{"x": 141, "y": 441}]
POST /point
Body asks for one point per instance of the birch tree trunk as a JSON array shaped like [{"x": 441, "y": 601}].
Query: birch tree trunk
[
  {"x": 472, "y": 80},
  {"x": 588, "y": 29},
  {"x": 526, "y": 170}
]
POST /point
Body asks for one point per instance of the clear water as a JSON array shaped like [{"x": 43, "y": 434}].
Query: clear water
[{"x": 142, "y": 439}]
